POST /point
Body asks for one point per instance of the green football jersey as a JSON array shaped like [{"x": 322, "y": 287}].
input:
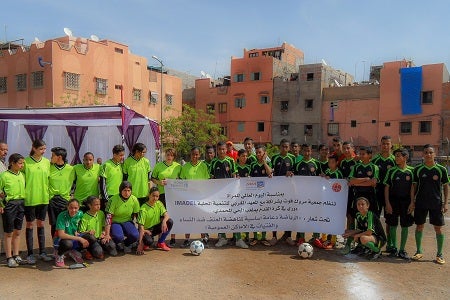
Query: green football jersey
[
  {"x": 199, "y": 171},
  {"x": 36, "y": 178},
  {"x": 137, "y": 171},
  {"x": 92, "y": 222},
  {"x": 67, "y": 223},
  {"x": 164, "y": 171},
  {"x": 113, "y": 174},
  {"x": 60, "y": 181},
  {"x": 150, "y": 216},
  {"x": 12, "y": 185},
  {"x": 122, "y": 210},
  {"x": 86, "y": 181}
]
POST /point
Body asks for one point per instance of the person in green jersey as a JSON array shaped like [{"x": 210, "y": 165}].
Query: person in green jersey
[
  {"x": 296, "y": 150},
  {"x": 68, "y": 239},
  {"x": 59, "y": 185},
  {"x": 210, "y": 154},
  {"x": 12, "y": 188},
  {"x": 249, "y": 146},
  {"x": 153, "y": 220},
  {"x": 86, "y": 179},
  {"x": 122, "y": 209},
  {"x": 111, "y": 175},
  {"x": 195, "y": 169},
  {"x": 167, "y": 169},
  {"x": 3, "y": 168},
  {"x": 37, "y": 172},
  {"x": 136, "y": 170},
  {"x": 92, "y": 227}
]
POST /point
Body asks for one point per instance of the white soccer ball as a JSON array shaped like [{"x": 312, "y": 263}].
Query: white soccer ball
[
  {"x": 197, "y": 247},
  {"x": 305, "y": 250}
]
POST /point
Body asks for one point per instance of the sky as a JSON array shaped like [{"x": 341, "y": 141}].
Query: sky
[{"x": 202, "y": 35}]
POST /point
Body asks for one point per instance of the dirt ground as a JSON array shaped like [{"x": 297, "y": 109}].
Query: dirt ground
[{"x": 231, "y": 273}]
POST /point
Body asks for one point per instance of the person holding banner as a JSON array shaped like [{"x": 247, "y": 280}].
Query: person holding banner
[{"x": 195, "y": 170}]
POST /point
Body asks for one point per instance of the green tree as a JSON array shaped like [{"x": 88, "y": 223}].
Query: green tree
[{"x": 192, "y": 128}]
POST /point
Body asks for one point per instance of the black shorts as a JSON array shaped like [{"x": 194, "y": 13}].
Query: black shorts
[
  {"x": 56, "y": 205},
  {"x": 13, "y": 216},
  {"x": 400, "y": 210},
  {"x": 35, "y": 212},
  {"x": 436, "y": 216}
]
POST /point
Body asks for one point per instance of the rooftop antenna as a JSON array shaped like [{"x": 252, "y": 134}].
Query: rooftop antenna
[
  {"x": 203, "y": 74},
  {"x": 95, "y": 38},
  {"x": 324, "y": 62},
  {"x": 68, "y": 32}
]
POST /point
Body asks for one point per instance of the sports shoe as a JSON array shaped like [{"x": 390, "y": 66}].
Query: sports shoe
[
  {"x": 440, "y": 259},
  {"x": 120, "y": 246},
  {"x": 253, "y": 242},
  {"x": 221, "y": 242},
  {"x": 185, "y": 244},
  {"x": 327, "y": 245},
  {"x": 300, "y": 241},
  {"x": 172, "y": 243},
  {"x": 162, "y": 246},
  {"x": 417, "y": 256},
  {"x": 290, "y": 241},
  {"x": 146, "y": 247},
  {"x": 19, "y": 260},
  {"x": 357, "y": 250},
  {"x": 317, "y": 243},
  {"x": 88, "y": 255},
  {"x": 403, "y": 254},
  {"x": 127, "y": 249},
  {"x": 374, "y": 255},
  {"x": 393, "y": 252},
  {"x": 59, "y": 261},
  {"x": 241, "y": 244},
  {"x": 113, "y": 252},
  {"x": 31, "y": 259},
  {"x": 43, "y": 256},
  {"x": 76, "y": 256},
  {"x": 12, "y": 263},
  {"x": 205, "y": 242},
  {"x": 273, "y": 241},
  {"x": 346, "y": 250}
]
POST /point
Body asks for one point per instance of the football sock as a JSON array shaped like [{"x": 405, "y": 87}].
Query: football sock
[
  {"x": 404, "y": 238},
  {"x": 440, "y": 242},
  {"x": 333, "y": 239},
  {"x": 237, "y": 235},
  {"x": 41, "y": 239},
  {"x": 300, "y": 235},
  {"x": 389, "y": 242},
  {"x": 263, "y": 235},
  {"x": 419, "y": 236},
  {"x": 29, "y": 239},
  {"x": 349, "y": 241},
  {"x": 324, "y": 237},
  {"x": 255, "y": 235},
  {"x": 393, "y": 237},
  {"x": 316, "y": 235},
  {"x": 372, "y": 247}
]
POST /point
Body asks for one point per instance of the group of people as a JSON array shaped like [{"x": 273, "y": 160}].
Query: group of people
[{"x": 120, "y": 205}]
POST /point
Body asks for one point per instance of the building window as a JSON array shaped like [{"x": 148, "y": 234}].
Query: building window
[
  {"x": 260, "y": 126},
  {"x": 101, "y": 85},
  {"x": 241, "y": 127},
  {"x": 353, "y": 123},
  {"x": 239, "y": 77},
  {"x": 239, "y": 102},
  {"x": 21, "y": 82},
  {"x": 137, "y": 94},
  {"x": 210, "y": 108},
  {"x": 37, "y": 79},
  {"x": 71, "y": 81},
  {"x": 169, "y": 99},
  {"x": 153, "y": 97},
  {"x": 224, "y": 131},
  {"x": 374, "y": 121},
  {"x": 264, "y": 99},
  {"x": 309, "y": 76},
  {"x": 425, "y": 127},
  {"x": 254, "y": 54},
  {"x": 284, "y": 129},
  {"x": 427, "y": 97},
  {"x": 3, "y": 85},
  {"x": 333, "y": 129},
  {"x": 118, "y": 50},
  {"x": 387, "y": 124},
  {"x": 255, "y": 76},
  {"x": 405, "y": 127},
  {"x": 309, "y": 104},
  {"x": 284, "y": 105},
  {"x": 308, "y": 130},
  {"x": 222, "y": 108}
]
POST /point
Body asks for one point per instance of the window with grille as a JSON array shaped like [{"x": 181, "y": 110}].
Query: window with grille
[
  {"x": 284, "y": 129},
  {"x": 239, "y": 102},
  {"x": 37, "y": 79},
  {"x": 169, "y": 99},
  {"x": 101, "y": 86},
  {"x": 153, "y": 99},
  {"x": 224, "y": 131},
  {"x": 309, "y": 104},
  {"x": 308, "y": 130},
  {"x": 137, "y": 94},
  {"x": 284, "y": 105},
  {"x": 71, "y": 81},
  {"x": 222, "y": 108},
  {"x": 405, "y": 128},
  {"x": 427, "y": 97},
  {"x": 255, "y": 76},
  {"x": 333, "y": 129},
  {"x": 264, "y": 99},
  {"x": 241, "y": 127},
  {"x": 3, "y": 85},
  {"x": 239, "y": 77},
  {"x": 21, "y": 82},
  {"x": 210, "y": 108},
  {"x": 309, "y": 76},
  {"x": 425, "y": 127},
  {"x": 260, "y": 126}
]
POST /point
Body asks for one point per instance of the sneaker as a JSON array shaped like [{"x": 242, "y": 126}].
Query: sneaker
[
  {"x": 346, "y": 250},
  {"x": 113, "y": 252},
  {"x": 172, "y": 243},
  {"x": 163, "y": 246},
  {"x": 290, "y": 241},
  {"x": 221, "y": 242},
  {"x": 273, "y": 241},
  {"x": 76, "y": 256},
  {"x": 300, "y": 241},
  {"x": 440, "y": 259},
  {"x": 88, "y": 255},
  {"x": 403, "y": 254},
  {"x": 127, "y": 249},
  {"x": 327, "y": 245},
  {"x": 19, "y": 260},
  {"x": 253, "y": 242},
  {"x": 146, "y": 247},
  {"x": 120, "y": 246},
  {"x": 205, "y": 242},
  {"x": 417, "y": 256},
  {"x": 357, "y": 250},
  {"x": 393, "y": 252},
  {"x": 186, "y": 244},
  {"x": 31, "y": 259},
  {"x": 375, "y": 255},
  {"x": 318, "y": 243},
  {"x": 12, "y": 263},
  {"x": 43, "y": 256},
  {"x": 59, "y": 261},
  {"x": 241, "y": 244}
]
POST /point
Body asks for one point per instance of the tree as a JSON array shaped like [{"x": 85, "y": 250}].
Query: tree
[{"x": 192, "y": 128}]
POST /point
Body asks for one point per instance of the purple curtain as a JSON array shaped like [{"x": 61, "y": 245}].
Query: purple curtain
[
  {"x": 128, "y": 115},
  {"x": 36, "y": 132},
  {"x": 76, "y": 134},
  {"x": 132, "y": 134},
  {"x": 4, "y": 131},
  {"x": 155, "y": 130}
]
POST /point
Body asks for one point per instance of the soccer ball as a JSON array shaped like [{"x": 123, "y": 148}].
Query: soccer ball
[
  {"x": 305, "y": 250},
  {"x": 197, "y": 247}
]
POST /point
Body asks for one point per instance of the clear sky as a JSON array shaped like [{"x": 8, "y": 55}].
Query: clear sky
[{"x": 202, "y": 35}]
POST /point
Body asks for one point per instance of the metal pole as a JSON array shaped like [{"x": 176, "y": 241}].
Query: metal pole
[{"x": 161, "y": 104}]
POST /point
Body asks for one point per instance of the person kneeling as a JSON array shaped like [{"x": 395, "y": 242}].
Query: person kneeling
[{"x": 153, "y": 220}]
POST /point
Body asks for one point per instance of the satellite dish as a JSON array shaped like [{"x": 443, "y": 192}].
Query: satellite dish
[
  {"x": 67, "y": 31},
  {"x": 36, "y": 40},
  {"x": 208, "y": 76},
  {"x": 324, "y": 62},
  {"x": 42, "y": 63},
  {"x": 203, "y": 74},
  {"x": 95, "y": 38}
]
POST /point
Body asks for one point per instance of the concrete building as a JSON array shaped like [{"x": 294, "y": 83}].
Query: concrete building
[{"x": 76, "y": 71}]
